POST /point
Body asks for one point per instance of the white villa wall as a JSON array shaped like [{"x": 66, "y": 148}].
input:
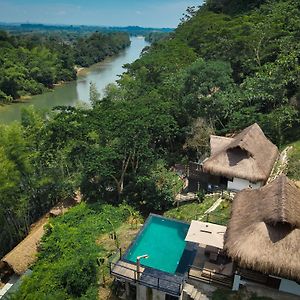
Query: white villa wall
[
  {"x": 289, "y": 286},
  {"x": 239, "y": 184}
]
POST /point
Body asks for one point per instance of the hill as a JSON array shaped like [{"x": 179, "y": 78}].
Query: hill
[
  {"x": 228, "y": 65},
  {"x": 23, "y": 28}
]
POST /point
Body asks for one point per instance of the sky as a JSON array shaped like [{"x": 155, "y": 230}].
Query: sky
[{"x": 147, "y": 13}]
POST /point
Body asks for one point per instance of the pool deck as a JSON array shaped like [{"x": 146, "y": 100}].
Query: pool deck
[
  {"x": 163, "y": 281},
  {"x": 126, "y": 270}
]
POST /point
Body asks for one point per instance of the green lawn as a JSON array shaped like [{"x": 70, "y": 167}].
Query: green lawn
[
  {"x": 221, "y": 214},
  {"x": 294, "y": 162},
  {"x": 193, "y": 211}
]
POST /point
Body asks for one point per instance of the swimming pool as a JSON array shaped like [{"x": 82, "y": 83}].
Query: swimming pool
[{"x": 162, "y": 240}]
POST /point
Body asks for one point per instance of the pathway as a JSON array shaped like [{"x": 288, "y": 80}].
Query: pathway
[
  {"x": 212, "y": 208},
  {"x": 281, "y": 164},
  {"x": 216, "y": 204},
  {"x": 24, "y": 254}
]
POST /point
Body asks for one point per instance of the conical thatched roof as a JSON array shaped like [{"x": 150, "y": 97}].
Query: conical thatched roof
[
  {"x": 263, "y": 233},
  {"x": 249, "y": 155},
  {"x": 218, "y": 143}
]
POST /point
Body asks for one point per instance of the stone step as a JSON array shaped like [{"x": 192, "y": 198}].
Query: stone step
[
  {"x": 188, "y": 288},
  {"x": 194, "y": 293}
]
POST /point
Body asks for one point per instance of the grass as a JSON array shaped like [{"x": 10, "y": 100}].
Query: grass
[
  {"x": 294, "y": 162},
  {"x": 125, "y": 233},
  {"x": 221, "y": 215},
  {"x": 191, "y": 211}
]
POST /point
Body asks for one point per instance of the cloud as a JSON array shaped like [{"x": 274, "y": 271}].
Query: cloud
[{"x": 138, "y": 12}]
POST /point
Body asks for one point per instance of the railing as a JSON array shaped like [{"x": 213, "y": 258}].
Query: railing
[
  {"x": 209, "y": 276},
  {"x": 253, "y": 276},
  {"x": 169, "y": 286},
  {"x": 114, "y": 257}
]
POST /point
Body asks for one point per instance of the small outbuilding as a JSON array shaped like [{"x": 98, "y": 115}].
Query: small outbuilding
[{"x": 243, "y": 161}]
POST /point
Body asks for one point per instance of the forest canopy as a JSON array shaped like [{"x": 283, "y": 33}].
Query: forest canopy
[
  {"x": 32, "y": 63},
  {"x": 223, "y": 69}
]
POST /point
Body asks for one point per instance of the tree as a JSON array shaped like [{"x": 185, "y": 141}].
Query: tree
[
  {"x": 157, "y": 190},
  {"x": 95, "y": 96},
  {"x": 204, "y": 84},
  {"x": 198, "y": 139}
]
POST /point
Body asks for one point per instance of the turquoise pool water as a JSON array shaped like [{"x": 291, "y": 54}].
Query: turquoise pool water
[{"x": 163, "y": 240}]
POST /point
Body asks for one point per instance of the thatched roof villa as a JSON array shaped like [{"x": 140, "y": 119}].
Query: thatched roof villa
[
  {"x": 245, "y": 160},
  {"x": 263, "y": 234},
  {"x": 260, "y": 249}
]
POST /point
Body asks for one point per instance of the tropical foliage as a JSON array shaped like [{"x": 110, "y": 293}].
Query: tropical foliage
[
  {"x": 227, "y": 65},
  {"x": 30, "y": 64},
  {"x": 67, "y": 265}
]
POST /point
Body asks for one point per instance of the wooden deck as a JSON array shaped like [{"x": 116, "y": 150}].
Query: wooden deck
[
  {"x": 210, "y": 276},
  {"x": 169, "y": 283},
  {"x": 125, "y": 270},
  {"x": 209, "y": 272}
]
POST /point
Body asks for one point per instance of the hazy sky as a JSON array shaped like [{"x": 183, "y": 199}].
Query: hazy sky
[{"x": 152, "y": 13}]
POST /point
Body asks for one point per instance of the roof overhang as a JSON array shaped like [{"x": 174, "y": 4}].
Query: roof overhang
[{"x": 206, "y": 233}]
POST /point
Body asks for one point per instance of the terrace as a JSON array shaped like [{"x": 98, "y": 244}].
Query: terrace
[
  {"x": 210, "y": 265},
  {"x": 149, "y": 277},
  {"x": 167, "y": 253},
  {"x": 158, "y": 257}
]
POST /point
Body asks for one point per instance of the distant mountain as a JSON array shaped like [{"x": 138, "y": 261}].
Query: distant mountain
[{"x": 29, "y": 27}]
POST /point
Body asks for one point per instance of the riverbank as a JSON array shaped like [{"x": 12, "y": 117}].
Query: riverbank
[
  {"x": 80, "y": 71},
  {"x": 75, "y": 92}
]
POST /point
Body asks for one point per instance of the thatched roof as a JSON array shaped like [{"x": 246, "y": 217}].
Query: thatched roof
[
  {"x": 263, "y": 233},
  {"x": 24, "y": 254},
  {"x": 249, "y": 155},
  {"x": 218, "y": 143}
]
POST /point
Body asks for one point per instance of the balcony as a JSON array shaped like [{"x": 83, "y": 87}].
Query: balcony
[
  {"x": 211, "y": 266},
  {"x": 162, "y": 281}
]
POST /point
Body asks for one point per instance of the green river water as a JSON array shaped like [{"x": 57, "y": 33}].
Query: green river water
[{"x": 77, "y": 91}]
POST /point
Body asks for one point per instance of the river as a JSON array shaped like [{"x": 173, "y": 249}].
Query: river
[{"x": 77, "y": 91}]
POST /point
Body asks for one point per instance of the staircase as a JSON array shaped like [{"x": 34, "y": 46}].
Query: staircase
[
  {"x": 191, "y": 293},
  {"x": 281, "y": 164}
]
